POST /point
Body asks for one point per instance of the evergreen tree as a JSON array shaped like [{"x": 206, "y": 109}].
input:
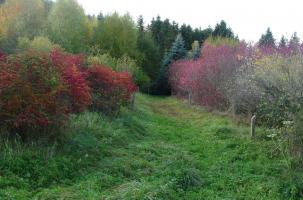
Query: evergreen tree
[
  {"x": 221, "y": 30},
  {"x": 267, "y": 39},
  {"x": 294, "y": 39},
  {"x": 163, "y": 32},
  {"x": 176, "y": 52},
  {"x": 201, "y": 35},
  {"x": 283, "y": 42},
  {"x": 100, "y": 17},
  {"x": 140, "y": 24},
  {"x": 149, "y": 57},
  {"x": 187, "y": 34},
  {"x": 294, "y": 42},
  {"x": 140, "y": 28}
]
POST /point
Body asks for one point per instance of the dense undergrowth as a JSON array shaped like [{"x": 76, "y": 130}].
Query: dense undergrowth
[{"x": 165, "y": 149}]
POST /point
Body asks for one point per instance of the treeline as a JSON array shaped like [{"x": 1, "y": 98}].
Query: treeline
[{"x": 112, "y": 39}]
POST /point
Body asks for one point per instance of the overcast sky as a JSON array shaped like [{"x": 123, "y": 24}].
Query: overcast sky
[{"x": 248, "y": 18}]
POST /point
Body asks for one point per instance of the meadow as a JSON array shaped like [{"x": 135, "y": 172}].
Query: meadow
[{"x": 165, "y": 149}]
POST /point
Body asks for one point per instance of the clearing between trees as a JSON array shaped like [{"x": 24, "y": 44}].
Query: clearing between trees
[{"x": 165, "y": 149}]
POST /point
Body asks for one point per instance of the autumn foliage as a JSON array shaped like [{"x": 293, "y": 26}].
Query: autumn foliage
[
  {"x": 74, "y": 76},
  {"x": 39, "y": 91},
  {"x": 204, "y": 79},
  {"x": 110, "y": 89},
  {"x": 32, "y": 91},
  {"x": 243, "y": 79}
]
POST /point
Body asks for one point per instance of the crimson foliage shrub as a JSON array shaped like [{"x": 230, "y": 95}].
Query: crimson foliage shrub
[
  {"x": 31, "y": 91},
  {"x": 2, "y": 56},
  {"x": 110, "y": 89},
  {"x": 74, "y": 75},
  {"x": 38, "y": 91}
]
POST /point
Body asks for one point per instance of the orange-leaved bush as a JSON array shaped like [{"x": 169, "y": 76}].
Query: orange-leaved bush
[{"x": 110, "y": 89}]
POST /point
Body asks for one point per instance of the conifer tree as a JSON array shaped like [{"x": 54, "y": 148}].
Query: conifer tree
[
  {"x": 267, "y": 39},
  {"x": 221, "y": 30},
  {"x": 282, "y": 42},
  {"x": 176, "y": 52}
]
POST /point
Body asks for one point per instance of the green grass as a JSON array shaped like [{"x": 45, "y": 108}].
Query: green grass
[{"x": 165, "y": 149}]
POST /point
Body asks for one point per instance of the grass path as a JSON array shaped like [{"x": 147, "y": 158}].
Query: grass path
[
  {"x": 194, "y": 143},
  {"x": 169, "y": 150}
]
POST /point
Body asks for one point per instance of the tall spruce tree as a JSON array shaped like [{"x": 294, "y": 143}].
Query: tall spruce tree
[
  {"x": 294, "y": 42},
  {"x": 149, "y": 57},
  {"x": 221, "y": 30},
  {"x": 267, "y": 39},
  {"x": 283, "y": 42},
  {"x": 177, "y": 51},
  {"x": 187, "y": 34}
]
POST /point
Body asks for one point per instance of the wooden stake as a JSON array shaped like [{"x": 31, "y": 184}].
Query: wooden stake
[
  {"x": 189, "y": 98},
  {"x": 253, "y": 126}
]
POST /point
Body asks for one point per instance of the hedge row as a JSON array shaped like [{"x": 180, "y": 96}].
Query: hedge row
[{"x": 38, "y": 90}]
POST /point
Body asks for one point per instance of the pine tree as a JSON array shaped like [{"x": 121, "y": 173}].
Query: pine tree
[
  {"x": 149, "y": 56},
  {"x": 282, "y": 43},
  {"x": 187, "y": 34},
  {"x": 267, "y": 39},
  {"x": 294, "y": 39},
  {"x": 221, "y": 30},
  {"x": 294, "y": 42},
  {"x": 140, "y": 28}
]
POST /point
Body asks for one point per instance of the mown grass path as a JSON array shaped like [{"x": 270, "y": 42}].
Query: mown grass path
[
  {"x": 165, "y": 149},
  {"x": 191, "y": 141}
]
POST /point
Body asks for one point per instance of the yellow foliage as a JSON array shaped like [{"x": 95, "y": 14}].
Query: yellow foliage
[
  {"x": 8, "y": 12},
  {"x": 215, "y": 41}
]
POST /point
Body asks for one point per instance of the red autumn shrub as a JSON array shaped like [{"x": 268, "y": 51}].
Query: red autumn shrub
[
  {"x": 209, "y": 79},
  {"x": 110, "y": 89},
  {"x": 39, "y": 90},
  {"x": 31, "y": 91},
  {"x": 2, "y": 56},
  {"x": 71, "y": 67}
]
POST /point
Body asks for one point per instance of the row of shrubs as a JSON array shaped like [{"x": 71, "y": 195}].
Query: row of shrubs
[
  {"x": 243, "y": 79},
  {"x": 40, "y": 90}
]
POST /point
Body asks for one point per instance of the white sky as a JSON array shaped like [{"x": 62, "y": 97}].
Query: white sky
[{"x": 248, "y": 18}]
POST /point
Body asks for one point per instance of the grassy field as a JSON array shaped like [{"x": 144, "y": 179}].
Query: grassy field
[{"x": 165, "y": 149}]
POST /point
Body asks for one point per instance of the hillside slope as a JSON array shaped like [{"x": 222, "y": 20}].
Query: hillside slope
[{"x": 165, "y": 149}]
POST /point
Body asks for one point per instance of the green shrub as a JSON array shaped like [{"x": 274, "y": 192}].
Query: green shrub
[
  {"x": 123, "y": 64},
  {"x": 40, "y": 43}
]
